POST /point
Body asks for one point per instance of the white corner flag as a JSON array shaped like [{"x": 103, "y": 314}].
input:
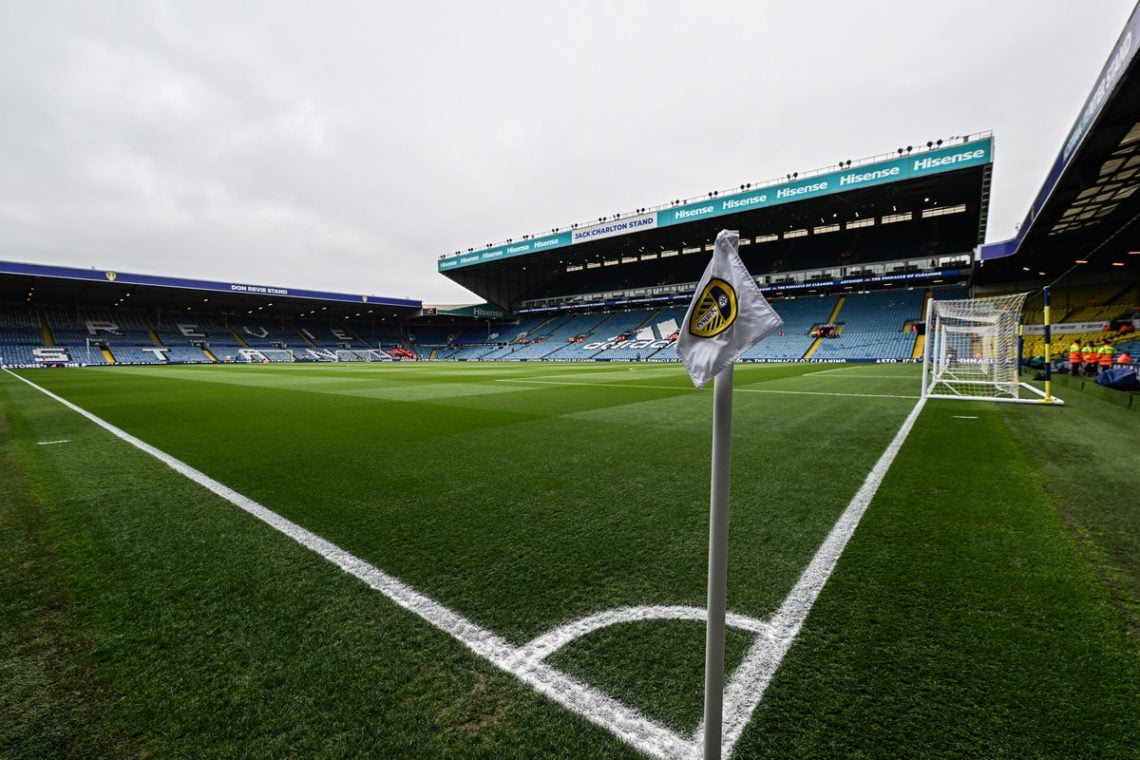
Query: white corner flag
[{"x": 727, "y": 316}]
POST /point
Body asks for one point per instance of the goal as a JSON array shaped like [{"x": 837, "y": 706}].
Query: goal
[{"x": 972, "y": 351}]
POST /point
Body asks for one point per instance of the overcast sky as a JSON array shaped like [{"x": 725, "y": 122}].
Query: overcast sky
[{"x": 345, "y": 146}]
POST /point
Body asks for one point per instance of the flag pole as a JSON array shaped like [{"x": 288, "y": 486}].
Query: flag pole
[
  {"x": 727, "y": 316},
  {"x": 718, "y": 561}
]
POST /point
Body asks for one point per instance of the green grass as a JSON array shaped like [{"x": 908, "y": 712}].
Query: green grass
[
  {"x": 50, "y": 703},
  {"x": 982, "y": 609},
  {"x": 961, "y": 618}
]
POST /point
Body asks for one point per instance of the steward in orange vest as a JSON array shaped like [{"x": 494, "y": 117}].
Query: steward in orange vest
[
  {"x": 1075, "y": 358},
  {"x": 1123, "y": 358},
  {"x": 1106, "y": 352},
  {"x": 1091, "y": 357}
]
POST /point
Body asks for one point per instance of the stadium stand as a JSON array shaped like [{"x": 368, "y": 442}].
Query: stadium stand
[
  {"x": 113, "y": 328},
  {"x": 19, "y": 327},
  {"x": 874, "y": 326},
  {"x": 465, "y": 344},
  {"x": 323, "y": 335},
  {"x": 1132, "y": 346},
  {"x": 212, "y": 335},
  {"x": 508, "y": 338},
  {"x": 556, "y": 336},
  {"x": 793, "y": 339},
  {"x": 636, "y": 335},
  {"x": 532, "y": 332},
  {"x": 428, "y": 342},
  {"x": 1092, "y": 302}
]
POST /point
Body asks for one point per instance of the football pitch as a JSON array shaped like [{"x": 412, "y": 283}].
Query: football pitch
[{"x": 509, "y": 560}]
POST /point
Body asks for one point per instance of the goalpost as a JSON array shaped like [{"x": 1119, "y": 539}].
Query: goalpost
[{"x": 972, "y": 351}]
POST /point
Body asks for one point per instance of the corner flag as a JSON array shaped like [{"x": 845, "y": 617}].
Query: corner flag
[{"x": 727, "y": 316}]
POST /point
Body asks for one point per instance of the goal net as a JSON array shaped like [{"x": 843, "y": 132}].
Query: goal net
[{"x": 972, "y": 350}]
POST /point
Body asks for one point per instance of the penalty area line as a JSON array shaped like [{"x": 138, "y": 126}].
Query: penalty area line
[
  {"x": 745, "y": 389},
  {"x": 626, "y": 723},
  {"x": 744, "y": 691},
  {"x": 825, "y": 393}
]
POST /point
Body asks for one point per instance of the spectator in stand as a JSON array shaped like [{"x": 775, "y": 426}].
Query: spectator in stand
[
  {"x": 1091, "y": 358},
  {"x": 1105, "y": 354},
  {"x": 1075, "y": 357}
]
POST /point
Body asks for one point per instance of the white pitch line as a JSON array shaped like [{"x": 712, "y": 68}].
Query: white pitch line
[
  {"x": 746, "y": 688},
  {"x": 551, "y": 641},
  {"x": 52, "y": 443},
  {"x": 825, "y": 393},
  {"x": 863, "y": 377},
  {"x": 742, "y": 693},
  {"x": 601, "y": 383},
  {"x": 627, "y": 724},
  {"x": 857, "y": 368},
  {"x": 744, "y": 389}
]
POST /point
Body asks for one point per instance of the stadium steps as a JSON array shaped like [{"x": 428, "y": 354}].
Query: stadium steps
[
  {"x": 606, "y": 320},
  {"x": 1123, "y": 296},
  {"x": 535, "y": 330},
  {"x": 920, "y": 338},
  {"x": 591, "y": 332},
  {"x": 305, "y": 337},
  {"x": 811, "y": 349},
  {"x": 45, "y": 328},
  {"x": 238, "y": 338},
  {"x": 356, "y": 335},
  {"x": 107, "y": 355},
  {"x": 150, "y": 331},
  {"x": 1084, "y": 303},
  {"x": 830, "y": 320},
  {"x": 650, "y": 322},
  {"x": 208, "y": 353},
  {"x": 838, "y": 307}
]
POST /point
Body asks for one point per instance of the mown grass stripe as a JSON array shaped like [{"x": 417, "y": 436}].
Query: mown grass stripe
[
  {"x": 643, "y": 386},
  {"x": 959, "y": 622},
  {"x": 628, "y": 724},
  {"x": 752, "y": 678}
]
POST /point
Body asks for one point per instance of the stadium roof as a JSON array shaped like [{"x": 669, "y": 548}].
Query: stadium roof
[
  {"x": 799, "y": 222},
  {"x": 97, "y": 289},
  {"x": 1088, "y": 209}
]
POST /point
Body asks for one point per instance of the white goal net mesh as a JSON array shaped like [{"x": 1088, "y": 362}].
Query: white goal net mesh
[{"x": 971, "y": 349}]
